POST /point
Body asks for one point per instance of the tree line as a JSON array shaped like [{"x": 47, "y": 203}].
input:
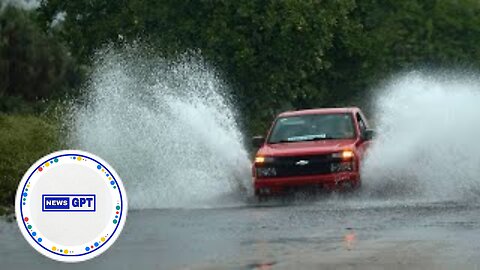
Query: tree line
[{"x": 277, "y": 55}]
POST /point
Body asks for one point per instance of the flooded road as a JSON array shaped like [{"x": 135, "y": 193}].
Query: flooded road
[
  {"x": 177, "y": 143},
  {"x": 332, "y": 233}
]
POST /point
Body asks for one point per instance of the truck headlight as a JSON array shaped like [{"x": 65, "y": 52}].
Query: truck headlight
[
  {"x": 345, "y": 154},
  {"x": 266, "y": 172},
  {"x": 260, "y": 159},
  {"x": 341, "y": 167}
]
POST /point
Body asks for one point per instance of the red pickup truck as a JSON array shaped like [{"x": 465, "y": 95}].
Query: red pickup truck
[{"x": 311, "y": 149}]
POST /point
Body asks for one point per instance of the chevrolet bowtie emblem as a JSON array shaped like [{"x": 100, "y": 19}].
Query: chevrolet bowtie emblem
[{"x": 302, "y": 162}]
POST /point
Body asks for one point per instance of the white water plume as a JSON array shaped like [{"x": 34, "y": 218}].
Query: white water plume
[
  {"x": 427, "y": 144},
  {"x": 167, "y": 127}
]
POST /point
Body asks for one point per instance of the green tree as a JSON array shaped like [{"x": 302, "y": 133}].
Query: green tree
[
  {"x": 277, "y": 54},
  {"x": 405, "y": 35},
  {"x": 33, "y": 64},
  {"x": 289, "y": 53}
]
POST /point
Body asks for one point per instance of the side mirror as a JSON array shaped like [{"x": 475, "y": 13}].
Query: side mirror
[
  {"x": 258, "y": 141},
  {"x": 368, "y": 134}
]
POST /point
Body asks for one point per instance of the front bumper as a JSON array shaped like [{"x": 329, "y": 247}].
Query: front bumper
[{"x": 334, "y": 181}]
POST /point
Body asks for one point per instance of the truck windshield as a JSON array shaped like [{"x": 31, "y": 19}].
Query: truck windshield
[{"x": 312, "y": 127}]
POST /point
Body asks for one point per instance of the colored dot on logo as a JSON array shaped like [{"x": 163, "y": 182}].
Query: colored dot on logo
[
  {"x": 99, "y": 167},
  {"x": 118, "y": 207},
  {"x": 40, "y": 240},
  {"x": 115, "y": 221},
  {"x": 112, "y": 182},
  {"x": 87, "y": 249},
  {"x": 40, "y": 169},
  {"x": 26, "y": 219},
  {"x": 25, "y": 194},
  {"x": 96, "y": 244},
  {"x": 29, "y": 227},
  {"x": 54, "y": 248},
  {"x": 34, "y": 233},
  {"x": 56, "y": 160}
]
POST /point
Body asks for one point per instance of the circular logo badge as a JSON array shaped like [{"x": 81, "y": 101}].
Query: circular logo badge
[{"x": 71, "y": 206}]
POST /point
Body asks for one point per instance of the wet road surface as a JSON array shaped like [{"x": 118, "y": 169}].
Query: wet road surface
[{"x": 332, "y": 233}]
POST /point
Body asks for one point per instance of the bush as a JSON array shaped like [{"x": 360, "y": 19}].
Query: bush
[{"x": 23, "y": 140}]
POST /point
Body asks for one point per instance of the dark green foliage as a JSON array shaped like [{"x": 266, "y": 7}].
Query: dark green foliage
[
  {"x": 33, "y": 64},
  {"x": 23, "y": 140},
  {"x": 403, "y": 35},
  {"x": 277, "y": 54},
  {"x": 283, "y": 54},
  {"x": 286, "y": 54}
]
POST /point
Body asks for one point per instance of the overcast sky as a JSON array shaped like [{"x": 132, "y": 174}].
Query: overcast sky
[{"x": 28, "y": 4}]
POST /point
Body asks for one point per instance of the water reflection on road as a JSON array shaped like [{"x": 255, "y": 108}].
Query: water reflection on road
[{"x": 307, "y": 235}]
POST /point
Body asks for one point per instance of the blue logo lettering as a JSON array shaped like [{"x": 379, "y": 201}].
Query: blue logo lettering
[{"x": 68, "y": 202}]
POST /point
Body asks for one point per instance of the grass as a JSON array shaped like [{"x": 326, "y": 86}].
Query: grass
[{"x": 23, "y": 140}]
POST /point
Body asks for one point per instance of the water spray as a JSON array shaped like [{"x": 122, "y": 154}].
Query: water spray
[{"x": 167, "y": 125}]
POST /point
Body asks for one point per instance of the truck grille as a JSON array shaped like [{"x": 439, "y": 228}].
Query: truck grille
[{"x": 299, "y": 165}]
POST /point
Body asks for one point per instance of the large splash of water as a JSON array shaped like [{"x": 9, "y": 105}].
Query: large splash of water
[
  {"x": 167, "y": 127},
  {"x": 428, "y": 139},
  {"x": 170, "y": 130}
]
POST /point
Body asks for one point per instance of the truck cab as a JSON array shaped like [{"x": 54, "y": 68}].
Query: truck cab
[{"x": 311, "y": 149}]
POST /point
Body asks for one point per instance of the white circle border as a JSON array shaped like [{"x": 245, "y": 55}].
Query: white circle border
[{"x": 74, "y": 257}]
